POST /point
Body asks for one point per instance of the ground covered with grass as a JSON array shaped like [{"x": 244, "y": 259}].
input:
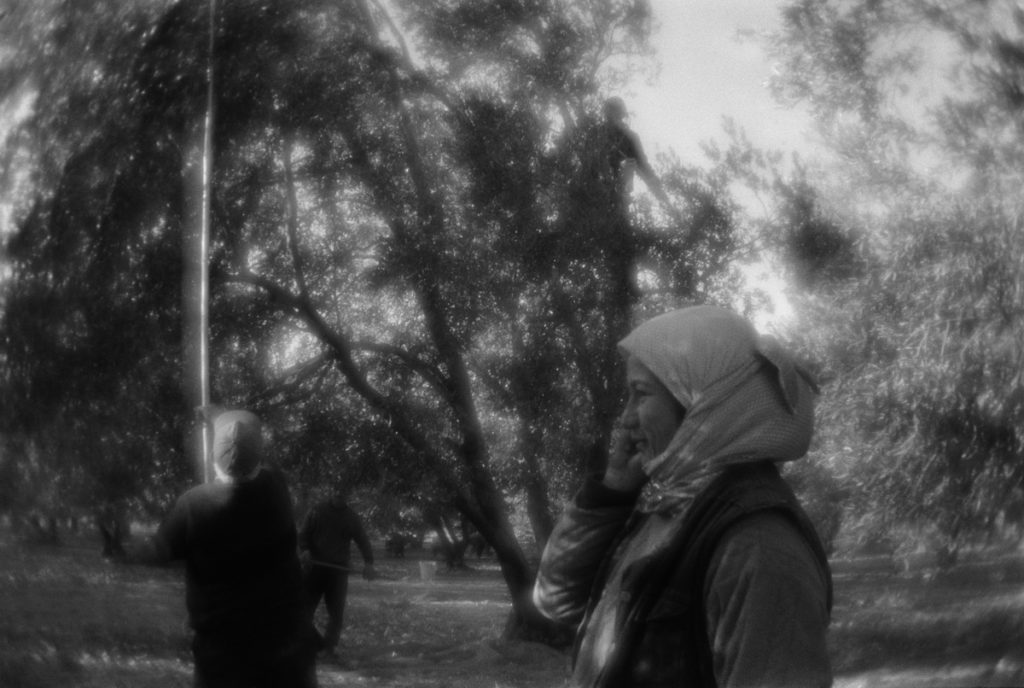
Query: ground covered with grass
[
  {"x": 70, "y": 618},
  {"x": 960, "y": 627}
]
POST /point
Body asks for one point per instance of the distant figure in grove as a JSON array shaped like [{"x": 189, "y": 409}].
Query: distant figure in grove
[
  {"x": 690, "y": 562},
  {"x": 112, "y": 524},
  {"x": 614, "y": 155},
  {"x": 626, "y": 155},
  {"x": 325, "y": 542},
  {"x": 243, "y": 579}
]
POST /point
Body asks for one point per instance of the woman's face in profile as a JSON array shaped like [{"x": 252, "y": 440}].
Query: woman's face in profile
[{"x": 652, "y": 414}]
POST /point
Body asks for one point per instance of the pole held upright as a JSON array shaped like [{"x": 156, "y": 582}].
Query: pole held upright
[{"x": 204, "y": 241}]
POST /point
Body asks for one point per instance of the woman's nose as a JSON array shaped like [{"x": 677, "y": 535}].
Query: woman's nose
[{"x": 629, "y": 420}]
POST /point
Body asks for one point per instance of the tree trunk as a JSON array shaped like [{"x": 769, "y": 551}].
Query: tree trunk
[
  {"x": 453, "y": 547},
  {"x": 489, "y": 516},
  {"x": 538, "y": 506}
]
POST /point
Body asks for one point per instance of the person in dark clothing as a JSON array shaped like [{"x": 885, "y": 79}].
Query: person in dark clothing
[
  {"x": 626, "y": 155},
  {"x": 325, "y": 540},
  {"x": 237, "y": 538},
  {"x": 618, "y": 157}
]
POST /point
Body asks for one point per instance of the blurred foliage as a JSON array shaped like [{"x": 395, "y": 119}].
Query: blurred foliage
[{"x": 915, "y": 318}]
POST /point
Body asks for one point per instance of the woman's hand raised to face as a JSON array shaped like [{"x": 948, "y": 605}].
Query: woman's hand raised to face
[{"x": 623, "y": 472}]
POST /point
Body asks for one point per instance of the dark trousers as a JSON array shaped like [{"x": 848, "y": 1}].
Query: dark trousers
[
  {"x": 223, "y": 665},
  {"x": 331, "y": 585}
]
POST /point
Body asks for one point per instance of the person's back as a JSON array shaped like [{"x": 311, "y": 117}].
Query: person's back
[
  {"x": 238, "y": 541},
  {"x": 243, "y": 578}
]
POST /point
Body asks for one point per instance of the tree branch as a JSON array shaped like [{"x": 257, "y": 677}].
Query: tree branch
[
  {"x": 340, "y": 351},
  {"x": 429, "y": 373},
  {"x": 292, "y": 219}
]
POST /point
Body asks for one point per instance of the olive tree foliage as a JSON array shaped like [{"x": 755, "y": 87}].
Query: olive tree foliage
[
  {"x": 420, "y": 267},
  {"x": 85, "y": 317},
  {"x": 908, "y": 247}
]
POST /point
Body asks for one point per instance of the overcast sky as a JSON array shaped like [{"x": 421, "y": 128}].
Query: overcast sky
[
  {"x": 713, "y": 66},
  {"x": 709, "y": 72}
]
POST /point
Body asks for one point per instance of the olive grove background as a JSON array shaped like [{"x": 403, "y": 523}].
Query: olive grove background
[{"x": 420, "y": 267}]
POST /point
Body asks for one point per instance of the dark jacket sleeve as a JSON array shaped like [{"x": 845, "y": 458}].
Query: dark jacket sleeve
[
  {"x": 174, "y": 531},
  {"x": 642, "y": 164},
  {"x": 359, "y": 536},
  {"x": 168, "y": 543},
  {"x": 306, "y": 531},
  {"x": 576, "y": 549}
]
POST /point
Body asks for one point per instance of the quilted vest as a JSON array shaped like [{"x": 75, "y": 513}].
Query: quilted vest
[{"x": 663, "y": 638}]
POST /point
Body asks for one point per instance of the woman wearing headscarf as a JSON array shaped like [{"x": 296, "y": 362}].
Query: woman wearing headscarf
[{"x": 690, "y": 562}]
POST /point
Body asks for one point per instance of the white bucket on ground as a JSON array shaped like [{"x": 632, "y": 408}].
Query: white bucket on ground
[{"x": 428, "y": 569}]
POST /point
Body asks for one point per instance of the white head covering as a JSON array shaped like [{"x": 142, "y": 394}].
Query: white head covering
[
  {"x": 745, "y": 399},
  {"x": 237, "y": 444}
]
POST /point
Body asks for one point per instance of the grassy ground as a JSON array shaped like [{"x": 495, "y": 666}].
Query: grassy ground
[
  {"x": 963, "y": 627},
  {"x": 69, "y": 618}
]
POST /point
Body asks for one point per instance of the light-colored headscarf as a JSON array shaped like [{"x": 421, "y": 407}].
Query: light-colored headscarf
[
  {"x": 745, "y": 399},
  {"x": 237, "y": 444}
]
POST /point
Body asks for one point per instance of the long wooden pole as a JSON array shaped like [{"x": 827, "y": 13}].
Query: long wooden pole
[{"x": 204, "y": 241}]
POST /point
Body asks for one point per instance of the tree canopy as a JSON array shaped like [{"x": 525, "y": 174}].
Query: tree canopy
[{"x": 418, "y": 273}]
